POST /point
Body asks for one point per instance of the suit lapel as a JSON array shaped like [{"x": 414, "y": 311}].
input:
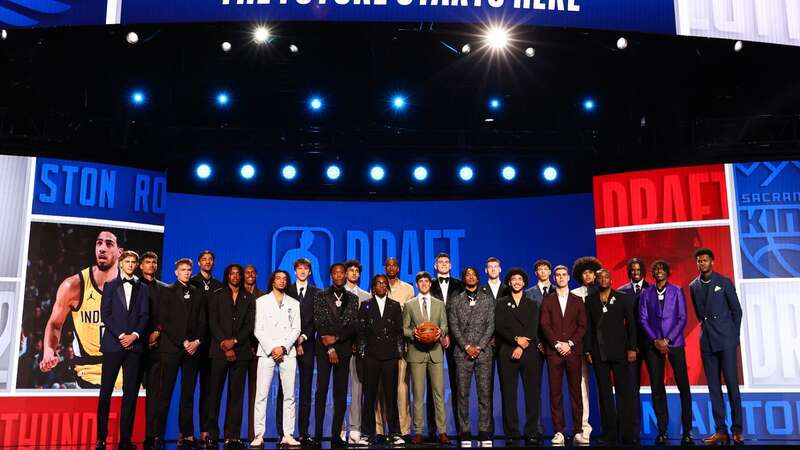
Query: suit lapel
[
  {"x": 331, "y": 299},
  {"x": 121, "y": 294}
]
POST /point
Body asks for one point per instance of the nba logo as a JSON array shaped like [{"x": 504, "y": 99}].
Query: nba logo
[{"x": 313, "y": 243}]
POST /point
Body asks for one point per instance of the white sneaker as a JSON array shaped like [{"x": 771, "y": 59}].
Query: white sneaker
[
  {"x": 257, "y": 442},
  {"x": 466, "y": 444},
  {"x": 290, "y": 441},
  {"x": 558, "y": 439},
  {"x": 397, "y": 440},
  {"x": 355, "y": 436},
  {"x": 487, "y": 443},
  {"x": 587, "y": 433},
  {"x": 581, "y": 439},
  {"x": 363, "y": 441}
]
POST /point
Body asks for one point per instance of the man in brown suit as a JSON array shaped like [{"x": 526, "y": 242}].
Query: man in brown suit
[{"x": 563, "y": 323}]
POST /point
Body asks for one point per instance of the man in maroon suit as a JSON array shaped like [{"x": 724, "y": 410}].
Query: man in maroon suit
[{"x": 563, "y": 323}]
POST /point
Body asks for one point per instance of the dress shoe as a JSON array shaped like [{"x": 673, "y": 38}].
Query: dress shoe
[
  {"x": 233, "y": 443},
  {"x": 631, "y": 442},
  {"x": 443, "y": 439},
  {"x": 532, "y": 441},
  {"x": 417, "y": 439},
  {"x": 485, "y": 440},
  {"x": 337, "y": 442},
  {"x": 465, "y": 439},
  {"x": 606, "y": 441},
  {"x": 397, "y": 440},
  {"x": 687, "y": 440},
  {"x": 186, "y": 441},
  {"x": 716, "y": 438},
  {"x": 311, "y": 442},
  {"x": 661, "y": 439},
  {"x": 289, "y": 441},
  {"x": 101, "y": 445},
  {"x": 258, "y": 442},
  {"x": 738, "y": 439}
]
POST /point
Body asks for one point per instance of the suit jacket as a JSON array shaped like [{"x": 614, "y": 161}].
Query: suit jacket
[
  {"x": 571, "y": 326},
  {"x": 154, "y": 297},
  {"x": 381, "y": 337},
  {"x": 627, "y": 288},
  {"x": 306, "y": 313},
  {"x": 668, "y": 321},
  {"x": 121, "y": 319},
  {"x": 612, "y": 333},
  {"x": 719, "y": 313},
  {"x": 412, "y": 316},
  {"x": 454, "y": 287},
  {"x": 512, "y": 320},
  {"x": 180, "y": 319},
  {"x": 226, "y": 321},
  {"x": 471, "y": 325},
  {"x": 535, "y": 294},
  {"x": 277, "y": 326},
  {"x": 328, "y": 321},
  {"x": 501, "y": 292}
]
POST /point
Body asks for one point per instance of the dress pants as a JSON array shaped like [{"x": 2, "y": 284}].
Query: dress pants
[
  {"x": 615, "y": 416},
  {"x": 287, "y": 370},
  {"x": 403, "y": 401},
  {"x": 252, "y": 376},
  {"x": 203, "y": 373},
  {"x": 379, "y": 372},
  {"x": 481, "y": 369},
  {"x": 723, "y": 363},
  {"x": 587, "y": 427},
  {"x": 528, "y": 368},
  {"x": 556, "y": 367},
  {"x": 635, "y": 385},
  {"x": 433, "y": 373},
  {"x": 129, "y": 362},
  {"x": 452, "y": 378},
  {"x": 236, "y": 373},
  {"x": 655, "y": 367},
  {"x": 153, "y": 389},
  {"x": 305, "y": 364},
  {"x": 356, "y": 397},
  {"x": 341, "y": 372},
  {"x": 165, "y": 374}
]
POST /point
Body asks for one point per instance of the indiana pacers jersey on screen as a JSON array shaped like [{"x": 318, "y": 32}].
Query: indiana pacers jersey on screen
[{"x": 89, "y": 329}]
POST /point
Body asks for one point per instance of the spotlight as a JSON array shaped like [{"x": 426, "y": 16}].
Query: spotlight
[
  {"x": 247, "y": 171},
  {"x": 261, "y": 35},
  {"x": 315, "y": 103},
  {"x": 494, "y": 103},
  {"x": 289, "y": 172},
  {"x": 737, "y": 47},
  {"x": 223, "y": 99},
  {"x": 138, "y": 98},
  {"x": 293, "y": 48},
  {"x": 550, "y": 174},
  {"x": 226, "y": 46},
  {"x": 377, "y": 173},
  {"x": 466, "y": 173},
  {"x": 508, "y": 173},
  {"x": 530, "y": 52},
  {"x": 333, "y": 172},
  {"x": 203, "y": 171},
  {"x": 132, "y": 38},
  {"x": 420, "y": 173},
  {"x": 589, "y": 105},
  {"x": 622, "y": 43},
  {"x": 399, "y": 102},
  {"x": 3, "y": 34},
  {"x": 497, "y": 38},
  {"x": 466, "y": 49}
]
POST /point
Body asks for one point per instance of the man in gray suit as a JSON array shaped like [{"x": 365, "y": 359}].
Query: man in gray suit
[
  {"x": 470, "y": 317},
  {"x": 426, "y": 358}
]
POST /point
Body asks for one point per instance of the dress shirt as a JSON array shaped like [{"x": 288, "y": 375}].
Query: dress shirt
[
  {"x": 562, "y": 301},
  {"x": 542, "y": 285},
  {"x": 494, "y": 285},
  {"x": 427, "y": 299},
  {"x": 401, "y": 291},
  {"x": 444, "y": 286},
  {"x": 128, "y": 288},
  {"x": 381, "y": 303},
  {"x": 581, "y": 292}
]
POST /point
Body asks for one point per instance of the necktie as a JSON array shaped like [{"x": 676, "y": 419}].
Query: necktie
[
  {"x": 425, "y": 309},
  {"x": 544, "y": 291},
  {"x": 302, "y": 293},
  {"x": 443, "y": 280},
  {"x": 636, "y": 288}
]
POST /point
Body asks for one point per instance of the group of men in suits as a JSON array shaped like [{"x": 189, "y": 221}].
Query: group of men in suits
[{"x": 370, "y": 343}]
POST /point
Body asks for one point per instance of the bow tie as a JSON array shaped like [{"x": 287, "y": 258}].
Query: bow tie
[
  {"x": 128, "y": 280},
  {"x": 444, "y": 279}
]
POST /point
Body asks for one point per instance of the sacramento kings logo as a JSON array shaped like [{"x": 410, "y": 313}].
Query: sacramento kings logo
[
  {"x": 768, "y": 208},
  {"x": 26, "y": 13}
]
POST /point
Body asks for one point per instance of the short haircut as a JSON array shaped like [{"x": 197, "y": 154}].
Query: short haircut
[
  {"x": 472, "y": 268},
  {"x": 271, "y": 280},
  {"x": 183, "y": 261},
  {"x": 375, "y": 278},
  {"x": 206, "y": 252},
  {"x": 492, "y": 259},
  {"x": 229, "y": 269},
  {"x": 149, "y": 255},
  {"x": 302, "y": 262},
  {"x": 386, "y": 261},
  {"x": 517, "y": 271},
  {"x": 542, "y": 262},
  {"x": 704, "y": 251},
  {"x": 422, "y": 274},
  {"x": 250, "y": 266},
  {"x": 129, "y": 254},
  {"x": 583, "y": 264},
  {"x": 559, "y": 267},
  {"x": 442, "y": 255},
  {"x": 633, "y": 261},
  {"x": 603, "y": 270},
  {"x": 352, "y": 263},
  {"x": 337, "y": 264},
  {"x": 660, "y": 263}
]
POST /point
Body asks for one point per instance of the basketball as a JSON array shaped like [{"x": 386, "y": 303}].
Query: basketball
[{"x": 428, "y": 332}]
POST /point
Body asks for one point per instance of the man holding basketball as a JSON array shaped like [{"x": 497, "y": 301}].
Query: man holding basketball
[{"x": 425, "y": 327}]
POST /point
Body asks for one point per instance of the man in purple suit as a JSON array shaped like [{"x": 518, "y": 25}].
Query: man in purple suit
[{"x": 662, "y": 317}]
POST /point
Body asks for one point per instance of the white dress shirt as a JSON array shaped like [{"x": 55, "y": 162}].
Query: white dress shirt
[
  {"x": 444, "y": 286},
  {"x": 581, "y": 292},
  {"x": 360, "y": 293},
  {"x": 381, "y": 304},
  {"x": 277, "y": 325},
  {"x": 562, "y": 301},
  {"x": 494, "y": 285},
  {"x": 542, "y": 285},
  {"x": 427, "y": 299},
  {"x": 128, "y": 288}
]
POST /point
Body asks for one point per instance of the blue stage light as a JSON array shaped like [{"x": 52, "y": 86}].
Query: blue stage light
[
  {"x": 247, "y": 171},
  {"x": 333, "y": 172},
  {"x": 399, "y": 102},
  {"x": 223, "y": 99},
  {"x": 377, "y": 173},
  {"x": 508, "y": 173},
  {"x": 289, "y": 172},
  {"x": 315, "y": 104},
  {"x": 420, "y": 173},
  {"x": 466, "y": 173},
  {"x": 494, "y": 103},
  {"x": 138, "y": 98},
  {"x": 550, "y": 174},
  {"x": 203, "y": 171},
  {"x": 589, "y": 105}
]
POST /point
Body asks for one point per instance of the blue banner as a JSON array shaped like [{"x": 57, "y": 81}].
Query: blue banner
[
  {"x": 51, "y": 13},
  {"x": 99, "y": 191}
]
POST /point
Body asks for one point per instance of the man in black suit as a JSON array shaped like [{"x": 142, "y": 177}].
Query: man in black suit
[
  {"x": 231, "y": 320},
  {"x": 303, "y": 291},
  {"x": 125, "y": 311},
  {"x": 250, "y": 279},
  {"x": 181, "y": 328},
  {"x": 445, "y": 287},
  {"x": 336, "y": 322},
  {"x": 205, "y": 282},
  {"x": 381, "y": 343},
  {"x": 610, "y": 344}
]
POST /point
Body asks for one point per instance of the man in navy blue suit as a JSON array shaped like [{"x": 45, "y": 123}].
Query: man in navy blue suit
[
  {"x": 125, "y": 310},
  {"x": 720, "y": 314}
]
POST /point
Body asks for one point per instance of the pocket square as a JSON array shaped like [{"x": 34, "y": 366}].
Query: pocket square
[{"x": 717, "y": 288}]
